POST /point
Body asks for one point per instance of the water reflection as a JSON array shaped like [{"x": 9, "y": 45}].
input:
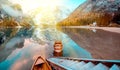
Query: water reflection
[
  {"x": 23, "y": 58},
  {"x": 50, "y": 35},
  {"x": 102, "y": 43},
  {"x": 14, "y": 39},
  {"x": 22, "y": 46}
]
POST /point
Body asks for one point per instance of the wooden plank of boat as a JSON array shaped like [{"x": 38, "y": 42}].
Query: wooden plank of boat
[
  {"x": 41, "y": 64},
  {"x": 67, "y": 63}
]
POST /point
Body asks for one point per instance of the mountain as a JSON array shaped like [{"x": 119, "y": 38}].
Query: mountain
[
  {"x": 12, "y": 15},
  {"x": 103, "y": 12}
]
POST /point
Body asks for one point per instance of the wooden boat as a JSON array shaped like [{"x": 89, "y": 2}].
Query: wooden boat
[
  {"x": 58, "y": 46},
  {"x": 67, "y": 63},
  {"x": 58, "y": 54},
  {"x": 41, "y": 64}
]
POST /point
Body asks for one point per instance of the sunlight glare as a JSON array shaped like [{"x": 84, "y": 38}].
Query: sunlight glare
[
  {"x": 42, "y": 11},
  {"x": 29, "y": 5}
]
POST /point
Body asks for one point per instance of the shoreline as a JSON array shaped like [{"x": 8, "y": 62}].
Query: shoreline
[{"x": 110, "y": 29}]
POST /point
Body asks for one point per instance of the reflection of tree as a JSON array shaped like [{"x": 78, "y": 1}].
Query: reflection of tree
[
  {"x": 5, "y": 52},
  {"x": 16, "y": 37},
  {"x": 9, "y": 33},
  {"x": 15, "y": 32},
  {"x": 101, "y": 44},
  {"x": 44, "y": 35}
]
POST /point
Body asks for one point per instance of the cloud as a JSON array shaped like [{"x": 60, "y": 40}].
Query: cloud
[{"x": 10, "y": 11}]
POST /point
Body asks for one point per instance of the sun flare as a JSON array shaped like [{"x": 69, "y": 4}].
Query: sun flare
[
  {"x": 29, "y": 5},
  {"x": 40, "y": 10},
  {"x": 47, "y": 11}
]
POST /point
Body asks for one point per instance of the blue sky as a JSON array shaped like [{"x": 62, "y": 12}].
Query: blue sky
[{"x": 73, "y": 4}]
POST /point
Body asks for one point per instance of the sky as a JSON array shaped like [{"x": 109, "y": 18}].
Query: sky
[
  {"x": 47, "y": 11},
  {"x": 74, "y": 3},
  {"x": 31, "y": 4}
]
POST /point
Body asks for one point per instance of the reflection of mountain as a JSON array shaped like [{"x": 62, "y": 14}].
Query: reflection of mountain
[
  {"x": 14, "y": 39},
  {"x": 103, "y": 12},
  {"x": 43, "y": 35},
  {"x": 9, "y": 33},
  {"x": 101, "y": 44},
  {"x": 10, "y": 46}
]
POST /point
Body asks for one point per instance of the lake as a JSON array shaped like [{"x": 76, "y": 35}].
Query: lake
[{"x": 20, "y": 46}]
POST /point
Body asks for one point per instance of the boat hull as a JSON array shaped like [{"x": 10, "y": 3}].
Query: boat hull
[{"x": 41, "y": 64}]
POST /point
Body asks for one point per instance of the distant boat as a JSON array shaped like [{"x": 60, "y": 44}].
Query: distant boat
[
  {"x": 41, "y": 64},
  {"x": 58, "y": 46}
]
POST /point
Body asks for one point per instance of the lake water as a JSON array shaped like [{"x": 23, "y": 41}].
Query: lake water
[{"x": 20, "y": 46}]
